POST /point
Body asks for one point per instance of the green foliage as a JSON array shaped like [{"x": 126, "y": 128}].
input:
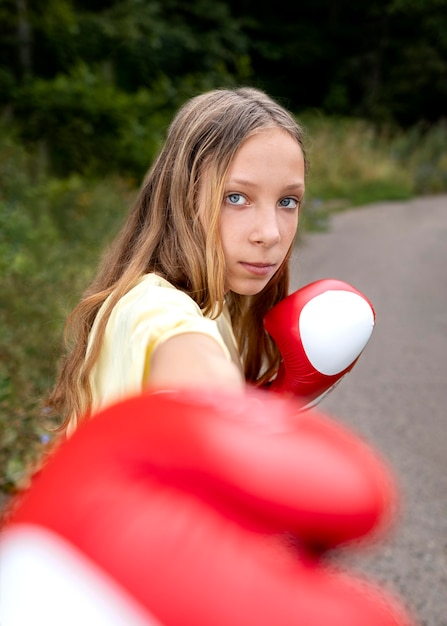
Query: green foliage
[
  {"x": 94, "y": 87},
  {"x": 352, "y": 163},
  {"x": 86, "y": 125},
  {"x": 51, "y": 234},
  {"x": 423, "y": 148},
  {"x": 93, "y": 83},
  {"x": 384, "y": 60},
  {"x": 136, "y": 41}
]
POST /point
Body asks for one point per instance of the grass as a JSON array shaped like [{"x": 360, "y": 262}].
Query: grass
[
  {"x": 52, "y": 232},
  {"x": 353, "y": 163}
]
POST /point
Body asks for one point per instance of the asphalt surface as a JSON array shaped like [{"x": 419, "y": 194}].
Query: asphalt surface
[{"x": 396, "y": 395}]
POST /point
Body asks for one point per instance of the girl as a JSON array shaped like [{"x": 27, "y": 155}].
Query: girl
[{"x": 180, "y": 297}]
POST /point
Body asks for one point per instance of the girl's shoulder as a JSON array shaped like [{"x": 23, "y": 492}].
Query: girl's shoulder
[
  {"x": 155, "y": 292},
  {"x": 154, "y": 280}
]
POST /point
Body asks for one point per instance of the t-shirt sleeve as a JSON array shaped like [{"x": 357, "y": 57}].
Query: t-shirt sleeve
[
  {"x": 171, "y": 312},
  {"x": 148, "y": 315},
  {"x": 145, "y": 318}
]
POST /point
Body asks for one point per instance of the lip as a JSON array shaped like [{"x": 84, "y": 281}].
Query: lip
[{"x": 259, "y": 269}]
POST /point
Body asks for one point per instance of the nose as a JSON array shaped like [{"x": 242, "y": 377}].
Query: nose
[{"x": 265, "y": 229}]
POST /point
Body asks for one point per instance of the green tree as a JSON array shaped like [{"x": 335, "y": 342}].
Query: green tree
[
  {"x": 383, "y": 59},
  {"x": 103, "y": 78}
]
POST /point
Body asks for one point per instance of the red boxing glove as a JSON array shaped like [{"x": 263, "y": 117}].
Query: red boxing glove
[
  {"x": 320, "y": 330},
  {"x": 171, "y": 509}
]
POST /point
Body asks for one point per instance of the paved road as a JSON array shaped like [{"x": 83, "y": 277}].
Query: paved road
[{"x": 396, "y": 396}]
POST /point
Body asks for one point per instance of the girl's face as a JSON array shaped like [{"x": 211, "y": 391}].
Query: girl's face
[{"x": 259, "y": 215}]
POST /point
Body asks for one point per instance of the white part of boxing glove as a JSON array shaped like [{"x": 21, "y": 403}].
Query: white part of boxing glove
[
  {"x": 47, "y": 581},
  {"x": 320, "y": 330}
]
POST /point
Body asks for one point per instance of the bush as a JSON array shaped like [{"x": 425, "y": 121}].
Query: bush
[
  {"x": 423, "y": 150},
  {"x": 84, "y": 124},
  {"x": 354, "y": 163},
  {"x": 87, "y": 126},
  {"x": 51, "y": 234}
]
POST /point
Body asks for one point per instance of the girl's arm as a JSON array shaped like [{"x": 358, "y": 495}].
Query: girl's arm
[{"x": 191, "y": 360}]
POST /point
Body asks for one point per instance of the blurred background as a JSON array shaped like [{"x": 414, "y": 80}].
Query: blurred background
[{"x": 87, "y": 89}]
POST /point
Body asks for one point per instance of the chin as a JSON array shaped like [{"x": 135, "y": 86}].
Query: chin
[{"x": 247, "y": 290}]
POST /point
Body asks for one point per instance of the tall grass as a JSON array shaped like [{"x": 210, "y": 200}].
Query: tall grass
[
  {"x": 51, "y": 235},
  {"x": 52, "y": 232},
  {"x": 354, "y": 163}
]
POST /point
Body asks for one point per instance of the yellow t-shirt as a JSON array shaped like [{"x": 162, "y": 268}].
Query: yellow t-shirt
[{"x": 149, "y": 314}]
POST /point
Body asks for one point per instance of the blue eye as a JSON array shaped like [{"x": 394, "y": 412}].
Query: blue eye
[
  {"x": 236, "y": 198},
  {"x": 289, "y": 203}
]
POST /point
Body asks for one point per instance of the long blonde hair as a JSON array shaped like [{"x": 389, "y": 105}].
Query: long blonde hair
[{"x": 163, "y": 234}]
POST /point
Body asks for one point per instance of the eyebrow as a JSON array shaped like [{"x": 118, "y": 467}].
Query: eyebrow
[{"x": 247, "y": 183}]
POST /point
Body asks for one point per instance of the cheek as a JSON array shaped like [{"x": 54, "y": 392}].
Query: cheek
[
  {"x": 226, "y": 239},
  {"x": 232, "y": 227},
  {"x": 289, "y": 228}
]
